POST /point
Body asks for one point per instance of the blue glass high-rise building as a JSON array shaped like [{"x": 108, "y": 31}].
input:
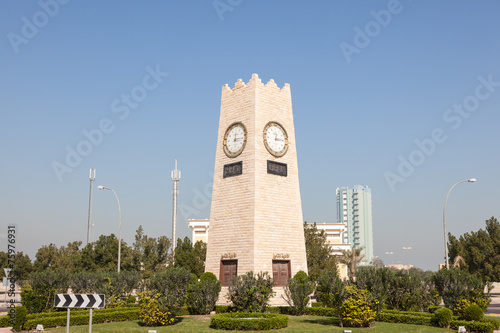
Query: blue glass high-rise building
[{"x": 354, "y": 209}]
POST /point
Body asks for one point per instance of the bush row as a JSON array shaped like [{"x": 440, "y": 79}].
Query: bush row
[
  {"x": 473, "y": 326},
  {"x": 313, "y": 311},
  {"x": 487, "y": 325},
  {"x": 5, "y": 320},
  {"x": 83, "y": 319},
  {"x": 248, "y": 321}
]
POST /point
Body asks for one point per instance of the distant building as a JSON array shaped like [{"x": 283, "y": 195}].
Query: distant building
[
  {"x": 400, "y": 266},
  {"x": 200, "y": 229},
  {"x": 336, "y": 235},
  {"x": 354, "y": 209}
]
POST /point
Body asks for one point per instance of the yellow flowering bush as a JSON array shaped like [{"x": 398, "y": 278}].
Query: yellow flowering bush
[
  {"x": 153, "y": 312},
  {"x": 357, "y": 313}
]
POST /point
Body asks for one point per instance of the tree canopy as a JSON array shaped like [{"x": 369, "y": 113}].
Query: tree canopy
[
  {"x": 318, "y": 251},
  {"x": 189, "y": 256},
  {"x": 478, "y": 252}
]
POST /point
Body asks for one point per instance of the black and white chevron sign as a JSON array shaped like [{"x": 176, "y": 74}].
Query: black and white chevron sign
[{"x": 88, "y": 301}]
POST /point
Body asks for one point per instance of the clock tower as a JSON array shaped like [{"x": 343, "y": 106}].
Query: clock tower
[{"x": 256, "y": 219}]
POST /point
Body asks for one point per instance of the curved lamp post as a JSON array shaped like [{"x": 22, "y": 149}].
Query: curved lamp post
[
  {"x": 471, "y": 180},
  {"x": 120, "y": 228}
]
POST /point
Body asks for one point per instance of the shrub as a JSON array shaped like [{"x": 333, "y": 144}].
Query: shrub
[
  {"x": 473, "y": 313},
  {"x": 20, "y": 318},
  {"x": 248, "y": 321},
  {"x": 473, "y": 326},
  {"x": 203, "y": 295},
  {"x": 455, "y": 284},
  {"x": 131, "y": 300},
  {"x": 442, "y": 317},
  {"x": 317, "y": 304},
  {"x": 172, "y": 284},
  {"x": 153, "y": 312},
  {"x": 357, "y": 313},
  {"x": 251, "y": 293},
  {"x": 331, "y": 291},
  {"x": 39, "y": 295},
  {"x": 5, "y": 321},
  {"x": 433, "y": 308},
  {"x": 297, "y": 292},
  {"x": 32, "y": 302},
  {"x": 492, "y": 321}
]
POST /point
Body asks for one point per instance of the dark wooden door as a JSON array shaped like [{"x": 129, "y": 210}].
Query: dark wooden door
[
  {"x": 228, "y": 269},
  {"x": 281, "y": 272}
]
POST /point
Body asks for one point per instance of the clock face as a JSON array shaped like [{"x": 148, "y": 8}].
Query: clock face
[
  {"x": 275, "y": 139},
  {"x": 235, "y": 139}
]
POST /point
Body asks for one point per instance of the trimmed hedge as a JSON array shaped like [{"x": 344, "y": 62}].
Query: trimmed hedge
[
  {"x": 423, "y": 314},
  {"x": 487, "y": 325},
  {"x": 224, "y": 308},
  {"x": 473, "y": 326},
  {"x": 411, "y": 318},
  {"x": 248, "y": 321},
  {"x": 493, "y": 321},
  {"x": 83, "y": 319}
]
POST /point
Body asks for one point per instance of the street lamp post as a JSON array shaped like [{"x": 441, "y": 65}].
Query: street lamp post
[
  {"x": 407, "y": 262},
  {"x": 89, "y": 225},
  {"x": 120, "y": 228},
  {"x": 471, "y": 180}
]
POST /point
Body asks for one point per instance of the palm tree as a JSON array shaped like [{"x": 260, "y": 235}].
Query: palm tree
[{"x": 351, "y": 258}]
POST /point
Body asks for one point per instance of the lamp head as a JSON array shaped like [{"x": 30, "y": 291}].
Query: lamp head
[
  {"x": 472, "y": 180},
  {"x": 100, "y": 187}
]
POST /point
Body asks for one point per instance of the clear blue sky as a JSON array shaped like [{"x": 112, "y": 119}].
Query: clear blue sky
[{"x": 368, "y": 79}]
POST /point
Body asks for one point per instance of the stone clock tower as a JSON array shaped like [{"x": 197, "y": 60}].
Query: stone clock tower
[{"x": 256, "y": 215}]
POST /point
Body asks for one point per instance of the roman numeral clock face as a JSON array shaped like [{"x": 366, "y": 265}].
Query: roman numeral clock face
[
  {"x": 275, "y": 139},
  {"x": 235, "y": 139}
]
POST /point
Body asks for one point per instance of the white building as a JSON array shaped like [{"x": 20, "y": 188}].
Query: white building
[{"x": 200, "y": 229}]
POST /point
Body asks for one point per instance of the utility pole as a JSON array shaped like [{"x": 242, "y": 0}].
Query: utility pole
[
  {"x": 92, "y": 178},
  {"x": 176, "y": 176}
]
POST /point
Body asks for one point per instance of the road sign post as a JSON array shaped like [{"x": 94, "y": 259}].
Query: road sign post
[
  {"x": 7, "y": 272},
  {"x": 80, "y": 301}
]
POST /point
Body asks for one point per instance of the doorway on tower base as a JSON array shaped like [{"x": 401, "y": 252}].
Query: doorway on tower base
[
  {"x": 228, "y": 269},
  {"x": 281, "y": 272}
]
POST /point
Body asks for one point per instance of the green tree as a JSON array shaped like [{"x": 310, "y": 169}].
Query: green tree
[
  {"x": 318, "y": 251},
  {"x": 478, "y": 252},
  {"x": 47, "y": 258},
  {"x": 351, "y": 258},
  {"x": 22, "y": 268},
  {"x": 191, "y": 257},
  {"x": 50, "y": 257},
  {"x": 150, "y": 254},
  {"x": 102, "y": 255}
]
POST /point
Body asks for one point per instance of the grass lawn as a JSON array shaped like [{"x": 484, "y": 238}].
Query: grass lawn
[{"x": 295, "y": 324}]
